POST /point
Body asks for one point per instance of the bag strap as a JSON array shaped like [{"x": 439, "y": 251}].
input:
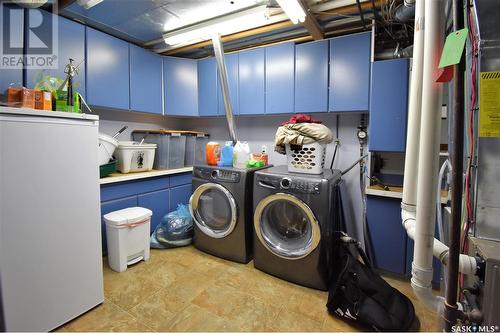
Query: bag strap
[{"x": 351, "y": 241}]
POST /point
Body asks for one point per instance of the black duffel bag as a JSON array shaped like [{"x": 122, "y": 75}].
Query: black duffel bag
[{"x": 358, "y": 294}]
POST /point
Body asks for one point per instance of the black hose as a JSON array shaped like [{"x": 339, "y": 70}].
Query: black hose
[
  {"x": 451, "y": 308},
  {"x": 354, "y": 164}
]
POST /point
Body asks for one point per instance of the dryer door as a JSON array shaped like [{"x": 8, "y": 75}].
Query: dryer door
[
  {"x": 286, "y": 226},
  {"x": 214, "y": 210}
]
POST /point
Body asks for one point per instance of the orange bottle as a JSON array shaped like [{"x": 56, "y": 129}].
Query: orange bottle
[{"x": 213, "y": 153}]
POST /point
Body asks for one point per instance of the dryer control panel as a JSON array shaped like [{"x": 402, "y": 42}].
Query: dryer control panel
[
  {"x": 291, "y": 184},
  {"x": 220, "y": 175}
]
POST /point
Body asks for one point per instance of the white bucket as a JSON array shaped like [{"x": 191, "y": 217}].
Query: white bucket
[
  {"x": 107, "y": 146},
  {"x": 134, "y": 157}
]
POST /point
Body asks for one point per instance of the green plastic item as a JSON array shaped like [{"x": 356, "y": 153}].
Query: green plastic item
[
  {"x": 107, "y": 169},
  {"x": 61, "y": 102},
  {"x": 254, "y": 164},
  {"x": 453, "y": 48}
]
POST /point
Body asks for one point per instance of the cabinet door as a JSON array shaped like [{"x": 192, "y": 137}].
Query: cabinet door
[
  {"x": 280, "y": 78},
  {"x": 350, "y": 72},
  {"x": 251, "y": 81},
  {"x": 231, "y": 61},
  {"x": 180, "y": 195},
  {"x": 158, "y": 203},
  {"x": 181, "y": 86},
  {"x": 386, "y": 234},
  {"x": 12, "y": 75},
  {"x": 389, "y": 105},
  {"x": 107, "y": 70},
  {"x": 207, "y": 87},
  {"x": 145, "y": 81},
  {"x": 71, "y": 44},
  {"x": 111, "y": 206},
  {"x": 311, "y": 77}
]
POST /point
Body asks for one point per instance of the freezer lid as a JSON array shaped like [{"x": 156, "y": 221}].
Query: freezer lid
[{"x": 43, "y": 113}]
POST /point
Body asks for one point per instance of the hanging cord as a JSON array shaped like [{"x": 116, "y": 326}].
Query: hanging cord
[{"x": 337, "y": 140}]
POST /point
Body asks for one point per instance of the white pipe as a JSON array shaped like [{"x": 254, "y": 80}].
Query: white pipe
[
  {"x": 430, "y": 130},
  {"x": 414, "y": 110}
]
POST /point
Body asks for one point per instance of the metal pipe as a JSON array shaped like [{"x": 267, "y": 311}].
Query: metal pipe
[
  {"x": 450, "y": 311},
  {"x": 222, "y": 72}
]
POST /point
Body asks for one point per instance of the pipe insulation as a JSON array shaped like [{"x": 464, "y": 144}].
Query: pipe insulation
[{"x": 222, "y": 72}]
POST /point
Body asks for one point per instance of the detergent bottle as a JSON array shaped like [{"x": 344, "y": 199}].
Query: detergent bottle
[{"x": 241, "y": 154}]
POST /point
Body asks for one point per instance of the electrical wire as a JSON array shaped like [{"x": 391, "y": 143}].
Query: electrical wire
[{"x": 354, "y": 164}]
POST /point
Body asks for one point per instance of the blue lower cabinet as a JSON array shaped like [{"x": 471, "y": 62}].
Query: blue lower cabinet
[
  {"x": 111, "y": 206},
  {"x": 158, "y": 202},
  {"x": 180, "y": 195},
  {"x": 386, "y": 234}
]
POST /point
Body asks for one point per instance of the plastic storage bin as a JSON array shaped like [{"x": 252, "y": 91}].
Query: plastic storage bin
[
  {"x": 127, "y": 233},
  {"x": 309, "y": 158},
  {"x": 134, "y": 157},
  {"x": 171, "y": 147},
  {"x": 196, "y": 143}
]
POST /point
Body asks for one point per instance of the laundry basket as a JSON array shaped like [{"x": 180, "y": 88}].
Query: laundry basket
[{"x": 309, "y": 158}]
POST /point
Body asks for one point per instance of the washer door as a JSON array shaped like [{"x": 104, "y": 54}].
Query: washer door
[
  {"x": 213, "y": 209},
  {"x": 286, "y": 226}
]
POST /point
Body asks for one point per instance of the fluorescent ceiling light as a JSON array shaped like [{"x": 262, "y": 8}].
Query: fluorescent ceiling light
[
  {"x": 293, "y": 10},
  {"x": 87, "y": 4},
  {"x": 224, "y": 25}
]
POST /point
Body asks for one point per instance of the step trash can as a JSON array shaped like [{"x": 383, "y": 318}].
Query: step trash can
[{"x": 127, "y": 233}]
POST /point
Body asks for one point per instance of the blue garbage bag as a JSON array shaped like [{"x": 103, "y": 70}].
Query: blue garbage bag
[{"x": 176, "y": 229}]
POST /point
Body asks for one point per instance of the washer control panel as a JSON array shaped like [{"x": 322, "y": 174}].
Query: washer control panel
[
  {"x": 290, "y": 184},
  {"x": 220, "y": 175}
]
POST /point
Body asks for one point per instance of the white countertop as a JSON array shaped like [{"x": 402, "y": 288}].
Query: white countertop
[
  {"x": 123, "y": 177},
  {"x": 396, "y": 193},
  {"x": 45, "y": 113}
]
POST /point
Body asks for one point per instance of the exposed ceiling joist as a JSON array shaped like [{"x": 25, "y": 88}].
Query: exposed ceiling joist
[
  {"x": 310, "y": 23},
  {"x": 61, "y": 4}
]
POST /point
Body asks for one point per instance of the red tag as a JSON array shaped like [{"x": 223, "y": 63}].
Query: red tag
[{"x": 445, "y": 74}]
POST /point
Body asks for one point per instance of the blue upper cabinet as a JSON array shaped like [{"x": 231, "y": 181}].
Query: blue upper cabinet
[
  {"x": 280, "y": 78},
  {"x": 12, "y": 75},
  {"x": 181, "y": 86},
  {"x": 207, "y": 87},
  {"x": 350, "y": 73},
  {"x": 311, "y": 77},
  {"x": 231, "y": 61},
  {"x": 251, "y": 81},
  {"x": 389, "y": 105},
  {"x": 70, "y": 44},
  {"x": 108, "y": 80},
  {"x": 145, "y": 81}
]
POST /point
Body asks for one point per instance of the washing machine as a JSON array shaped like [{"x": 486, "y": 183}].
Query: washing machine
[
  {"x": 294, "y": 217},
  {"x": 221, "y": 206}
]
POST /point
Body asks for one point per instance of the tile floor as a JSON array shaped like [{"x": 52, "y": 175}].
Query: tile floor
[{"x": 186, "y": 290}]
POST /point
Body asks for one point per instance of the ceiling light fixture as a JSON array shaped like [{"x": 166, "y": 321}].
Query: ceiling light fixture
[
  {"x": 224, "y": 25},
  {"x": 87, "y": 4},
  {"x": 293, "y": 10}
]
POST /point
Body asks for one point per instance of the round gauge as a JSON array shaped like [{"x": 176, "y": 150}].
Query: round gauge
[{"x": 362, "y": 134}]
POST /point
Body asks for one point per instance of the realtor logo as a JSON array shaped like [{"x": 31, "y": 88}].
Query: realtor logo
[{"x": 28, "y": 36}]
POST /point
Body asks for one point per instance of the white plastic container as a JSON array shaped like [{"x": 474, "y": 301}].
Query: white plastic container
[
  {"x": 107, "y": 146},
  {"x": 127, "y": 233},
  {"x": 309, "y": 158},
  {"x": 241, "y": 154},
  {"x": 134, "y": 157}
]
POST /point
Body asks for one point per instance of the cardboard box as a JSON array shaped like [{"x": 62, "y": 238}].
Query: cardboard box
[
  {"x": 21, "y": 97},
  {"x": 43, "y": 100}
]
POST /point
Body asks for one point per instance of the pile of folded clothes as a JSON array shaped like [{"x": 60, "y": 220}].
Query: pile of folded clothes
[{"x": 299, "y": 130}]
